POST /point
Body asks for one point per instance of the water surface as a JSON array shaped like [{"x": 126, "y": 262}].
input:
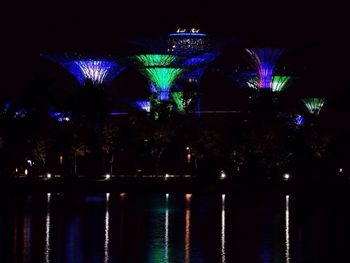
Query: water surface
[{"x": 165, "y": 228}]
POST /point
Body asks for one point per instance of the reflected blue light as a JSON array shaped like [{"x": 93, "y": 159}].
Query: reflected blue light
[{"x": 98, "y": 71}]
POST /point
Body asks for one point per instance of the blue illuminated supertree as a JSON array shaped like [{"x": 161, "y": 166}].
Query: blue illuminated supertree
[
  {"x": 265, "y": 60},
  {"x": 96, "y": 69},
  {"x": 142, "y": 105}
]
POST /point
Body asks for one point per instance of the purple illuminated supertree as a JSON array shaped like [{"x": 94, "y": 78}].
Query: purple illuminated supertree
[
  {"x": 265, "y": 60},
  {"x": 96, "y": 69}
]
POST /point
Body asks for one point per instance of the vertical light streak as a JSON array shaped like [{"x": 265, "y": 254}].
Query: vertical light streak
[
  {"x": 47, "y": 237},
  {"x": 188, "y": 228},
  {"x": 167, "y": 229},
  {"x": 106, "y": 258},
  {"x": 287, "y": 230},
  {"x": 223, "y": 238},
  {"x": 26, "y": 238}
]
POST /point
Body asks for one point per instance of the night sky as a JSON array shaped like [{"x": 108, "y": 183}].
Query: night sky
[{"x": 314, "y": 33}]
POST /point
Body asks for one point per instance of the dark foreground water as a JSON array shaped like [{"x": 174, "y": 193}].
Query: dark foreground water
[{"x": 174, "y": 228}]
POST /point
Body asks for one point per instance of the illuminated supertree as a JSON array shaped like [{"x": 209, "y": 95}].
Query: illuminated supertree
[
  {"x": 156, "y": 60},
  {"x": 98, "y": 70},
  {"x": 163, "y": 78},
  {"x": 198, "y": 63},
  {"x": 279, "y": 83},
  {"x": 314, "y": 105},
  {"x": 142, "y": 105},
  {"x": 161, "y": 70},
  {"x": 245, "y": 79},
  {"x": 180, "y": 101},
  {"x": 197, "y": 49},
  {"x": 188, "y": 42},
  {"x": 265, "y": 60}
]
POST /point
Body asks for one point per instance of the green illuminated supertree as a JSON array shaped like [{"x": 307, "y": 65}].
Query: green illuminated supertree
[
  {"x": 279, "y": 83},
  {"x": 156, "y": 60},
  {"x": 160, "y": 69},
  {"x": 163, "y": 78},
  {"x": 314, "y": 105},
  {"x": 180, "y": 101}
]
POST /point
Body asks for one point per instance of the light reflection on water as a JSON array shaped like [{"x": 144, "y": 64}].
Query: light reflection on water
[
  {"x": 27, "y": 238},
  {"x": 167, "y": 228},
  {"x": 106, "y": 258},
  {"x": 166, "y": 246},
  {"x": 47, "y": 231},
  {"x": 188, "y": 228},
  {"x": 223, "y": 239},
  {"x": 287, "y": 230}
]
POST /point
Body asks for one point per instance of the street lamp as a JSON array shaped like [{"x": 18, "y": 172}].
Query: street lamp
[
  {"x": 188, "y": 154},
  {"x": 222, "y": 175}
]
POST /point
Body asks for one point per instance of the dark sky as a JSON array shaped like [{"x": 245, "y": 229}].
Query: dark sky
[{"x": 315, "y": 33}]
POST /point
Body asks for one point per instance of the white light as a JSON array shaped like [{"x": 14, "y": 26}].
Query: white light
[
  {"x": 340, "y": 170},
  {"x": 286, "y": 176},
  {"x": 26, "y": 171},
  {"x": 166, "y": 176},
  {"x": 16, "y": 170},
  {"x": 222, "y": 175},
  {"x": 167, "y": 196},
  {"x": 108, "y": 176},
  {"x": 48, "y": 175},
  {"x": 30, "y": 162}
]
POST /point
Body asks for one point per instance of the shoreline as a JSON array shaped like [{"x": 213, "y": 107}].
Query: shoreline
[{"x": 178, "y": 185}]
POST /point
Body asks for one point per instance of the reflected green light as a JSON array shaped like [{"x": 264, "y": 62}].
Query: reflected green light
[
  {"x": 314, "y": 105},
  {"x": 156, "y": 60},
  {"x": 279, "y": 83}
]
